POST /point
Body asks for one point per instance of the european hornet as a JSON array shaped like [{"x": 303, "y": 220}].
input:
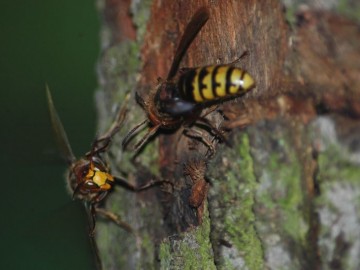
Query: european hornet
[
  {"x": 181, "y": 98},
  {"x": 89, "y": 178}
]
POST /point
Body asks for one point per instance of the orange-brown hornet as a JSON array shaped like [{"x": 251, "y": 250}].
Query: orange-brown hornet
[{"x": 89, "y": 178}]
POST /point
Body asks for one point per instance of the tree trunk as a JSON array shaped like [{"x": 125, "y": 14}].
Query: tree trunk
[{"x": 285, "y": 194}]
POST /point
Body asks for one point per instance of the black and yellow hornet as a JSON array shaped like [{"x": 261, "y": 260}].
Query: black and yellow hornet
[{"x": 181, "y": 98}]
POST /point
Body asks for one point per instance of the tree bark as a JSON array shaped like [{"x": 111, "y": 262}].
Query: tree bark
[{"x": 285, "y": 195}]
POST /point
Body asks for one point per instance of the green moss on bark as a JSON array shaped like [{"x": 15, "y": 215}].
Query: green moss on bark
[{"x": 189, "y": 250}]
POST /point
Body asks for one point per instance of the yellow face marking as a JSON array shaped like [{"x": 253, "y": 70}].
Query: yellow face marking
[
  {"x": 100, "y": 178},
  {"x": 106, "y": 186},
  {"x": 91, "y": 171},
  {"x": 195, "y": 85},
  {"x": 207, "y": 91},
  {"x": 220, "y": 79},
  {"x": 90, "y": 174},
  {"x": 110, "y": 177}
]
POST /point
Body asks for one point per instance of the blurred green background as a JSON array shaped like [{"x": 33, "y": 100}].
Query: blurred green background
[{"x": 54, "y": 42}]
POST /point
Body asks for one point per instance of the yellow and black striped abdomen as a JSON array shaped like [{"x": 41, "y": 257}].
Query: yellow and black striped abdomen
[{"x": 214, "y": 82}]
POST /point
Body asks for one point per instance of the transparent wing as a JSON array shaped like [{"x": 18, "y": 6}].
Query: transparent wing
[
  {"x": 192, "y": 29},
  {"x": 60, "y": 134}
]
